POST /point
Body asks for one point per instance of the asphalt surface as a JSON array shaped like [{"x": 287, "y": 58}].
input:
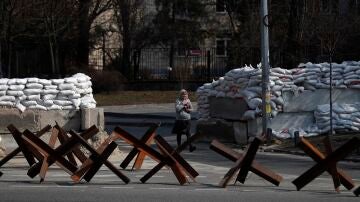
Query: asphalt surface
[{"x": 15, "y": 185}]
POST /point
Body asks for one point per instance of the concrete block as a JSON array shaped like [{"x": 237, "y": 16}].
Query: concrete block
[
  {"x": 240, "y": 133},
  {"x": 254, "y": 127},
  {"x": 227, "y": 108},
  {"x": 28, "y": 119},
  {"x": 308, "y": 100},
  {"x": 68, "y": 119},
  {"x": 216, "y": 128},
  {"x": 292, "y": 120},
  {"x": 91, "y": 117}
]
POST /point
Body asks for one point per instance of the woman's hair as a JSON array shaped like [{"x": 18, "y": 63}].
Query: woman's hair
[{"x": 183, "y": 91}]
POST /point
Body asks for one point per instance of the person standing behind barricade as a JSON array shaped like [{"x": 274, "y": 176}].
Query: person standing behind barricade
[{"x": 182, "y": 124}]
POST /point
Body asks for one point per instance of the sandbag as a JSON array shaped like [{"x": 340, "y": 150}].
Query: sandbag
[
  {"x": 34, "y": 85},
  {"x": 16, "y": 87},
  {"x": 32, "y": 80},
  {"x": 33, "y": 91},
  {"x": 67, "y": 86},
  {"x": 3, "y": 87},
  {"x": 45, "y": 82},
  {"x": 15, "y": 93}
]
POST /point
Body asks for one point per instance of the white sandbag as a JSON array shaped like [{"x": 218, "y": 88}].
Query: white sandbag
[
  {"x": 81, "y": 77},
  {"x": 4, "y": 81},
  {"x": 7, "y": 103},
  {"x": 2, "y": 93},
  {"x": 45, "y": 82},
  {"x": 34, "y": 85},
  {"x": 32, "y": 91},
  {"x": 71, "y": 80},
  {"x": 249, "y": 115},
  {"x": 54, "y": 107},
  {"x": 254, "y": 102},
  {"x": 49, "y": 97},
  {"x": 88, "y": 91},
  {"x": 20, "y": 98},
  {"x": 57, "y": 81},
  {"x": 68, "y": 107},
  {"x": 50, "y": 91},
  {"x": 32, "y": 80},
  {"x": 299, "y": 80},
  {"x": 76, "y": 102},
  {"x": 17, "y": 81},
  {"x": 33, "y": 97},
  {"x": 3, "y": 87},
  {"x": 21, "y": 107},
  {"x": 62, "y": 102},
  {"x": 12, "y": 82},
  {"x": 16, "y": 87},
  {"x": 37, "y": 107},
  {"x": 344, "y": 108},
  {"x": 51, "y": 87},
  {"x": 15, "y": 93},
  {"x": 76, "y": 96},
  {"x": 28, "y": 103},
  {"x": 67, "y": 86},
  {"x": 47, "y": 103},
  {"x": 67, "y": 92},
  {"x": 249, "y": 94},
  {"x": 87, "y": 105},
  {"x": 8, "y": 98},
  {"x": 278, "y": 100},
  {"x": 277, "y": 88}
]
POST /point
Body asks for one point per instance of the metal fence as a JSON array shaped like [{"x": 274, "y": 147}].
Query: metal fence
[{"x": 154, "y": 64}]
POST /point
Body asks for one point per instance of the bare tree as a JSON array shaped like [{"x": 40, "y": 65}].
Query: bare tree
[{"x": 88, "y": 11}]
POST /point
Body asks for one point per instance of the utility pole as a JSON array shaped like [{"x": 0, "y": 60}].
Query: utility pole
[{"x": 264, "y": 23}]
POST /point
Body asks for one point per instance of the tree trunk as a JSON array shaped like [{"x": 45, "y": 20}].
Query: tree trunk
[
  {"x": 126, "y": 52},
  {"x": 84, "y": 36},
  {"x": 1, "y": 72}
]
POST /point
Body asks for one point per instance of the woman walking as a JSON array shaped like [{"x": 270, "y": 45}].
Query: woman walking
[{"x": 182, "y": 125}]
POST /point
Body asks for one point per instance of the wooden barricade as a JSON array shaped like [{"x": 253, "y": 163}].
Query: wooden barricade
[
  {"x": 97, "y": 158},
  {"x": 327, "y": 163},
  {"x": 244, "y": 163},
  {"x": 21, "y": 148},
  {"x": 179, "y": 149},
  {"x": 68, "y": 147},
  {"x": 147, "y": 138},
  {"x": 175, "y": 162}
]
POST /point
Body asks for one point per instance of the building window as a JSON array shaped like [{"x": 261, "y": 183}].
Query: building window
[
  {"x": 221, "y": 46},
  {"x": 220, "y": 6}
]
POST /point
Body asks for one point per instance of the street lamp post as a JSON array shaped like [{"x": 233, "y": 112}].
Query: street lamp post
[{"x": 266, "y": 108}]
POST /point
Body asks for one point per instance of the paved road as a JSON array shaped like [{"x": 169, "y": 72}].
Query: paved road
[{"x": 16, "y": 186}]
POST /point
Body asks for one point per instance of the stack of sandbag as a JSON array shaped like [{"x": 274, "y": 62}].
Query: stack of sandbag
[
  {"x": 345, "y": 116},
  {"x": 56, "y": 94},
  {"x": 317, "y": 76},
  {"x": 245, "y": 83}
]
